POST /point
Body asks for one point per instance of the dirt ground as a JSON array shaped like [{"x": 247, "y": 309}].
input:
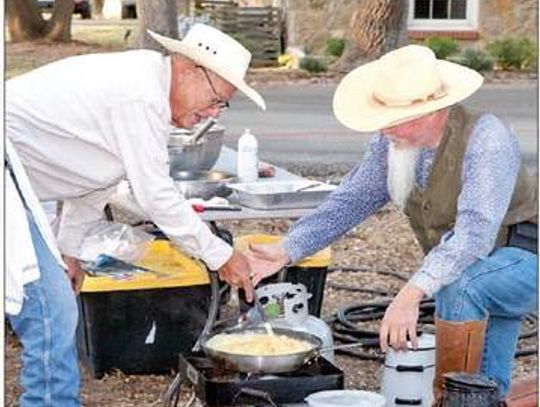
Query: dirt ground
[{"x": 383, "y": 242}]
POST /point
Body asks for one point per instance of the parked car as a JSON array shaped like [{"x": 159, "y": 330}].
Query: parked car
[{"x": 82, "y": 7}]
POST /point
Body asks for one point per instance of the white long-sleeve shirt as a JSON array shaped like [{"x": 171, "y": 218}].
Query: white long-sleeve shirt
[{"x": 82, "y": 124}]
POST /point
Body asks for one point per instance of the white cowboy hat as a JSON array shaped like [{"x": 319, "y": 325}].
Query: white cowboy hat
[
  {"x": 216, "y": 51},
  {"x": 402, "y": 85}
]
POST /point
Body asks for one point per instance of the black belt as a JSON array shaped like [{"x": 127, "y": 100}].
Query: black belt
[{"x": 524, "y": 236}]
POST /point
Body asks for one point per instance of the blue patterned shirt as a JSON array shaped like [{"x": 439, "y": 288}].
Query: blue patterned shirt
[{"x": 490, "y": 169}]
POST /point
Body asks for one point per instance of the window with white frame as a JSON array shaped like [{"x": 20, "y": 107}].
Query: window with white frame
[{"x": 443, "y": 15}]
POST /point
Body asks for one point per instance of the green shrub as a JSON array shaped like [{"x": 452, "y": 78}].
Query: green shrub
[
  {"x": 335, "y": 46},
  {"x": 475, "y": 59},
  {"x": 513, "y": 53},
  {"x": 442, "y": 46},
  {"x": 308, "y": 48},
  {"x": 313, "y": 65}
]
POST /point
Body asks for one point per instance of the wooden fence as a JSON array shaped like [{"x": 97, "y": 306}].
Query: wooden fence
[
  {"x": 209, "y": 5},
  {"x": 259, "y": 29}
]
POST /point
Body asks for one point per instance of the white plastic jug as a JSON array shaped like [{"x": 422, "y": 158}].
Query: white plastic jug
[
  {"x": 247, "y": 170},
  {"x": 345, "y": 398}
]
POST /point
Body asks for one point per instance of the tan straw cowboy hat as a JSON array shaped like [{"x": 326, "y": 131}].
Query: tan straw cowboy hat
[
  {"x": 402, "y": 85},
  {"x": 216, "y": 51}
]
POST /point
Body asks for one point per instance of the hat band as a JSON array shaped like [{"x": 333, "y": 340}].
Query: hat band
[{"x": 439, "y": 93}]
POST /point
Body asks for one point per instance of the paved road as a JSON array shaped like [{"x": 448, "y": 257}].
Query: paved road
[{"x": 299, "y": 129}]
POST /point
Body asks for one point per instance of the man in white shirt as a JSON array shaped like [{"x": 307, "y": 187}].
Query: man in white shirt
[{"x": 81, "y": 125}]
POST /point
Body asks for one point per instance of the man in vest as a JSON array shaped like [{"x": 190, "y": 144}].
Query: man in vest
[
  {"x": 459, "y": 180},
  {"x": 74, "y": 129}
]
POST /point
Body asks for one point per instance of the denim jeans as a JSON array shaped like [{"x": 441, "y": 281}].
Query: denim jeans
[
  {"x": 46, "y": 328},
  {"x": 502, "y": 287}
]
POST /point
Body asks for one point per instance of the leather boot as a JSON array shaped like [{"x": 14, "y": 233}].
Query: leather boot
[{"x": 459, "y": 348}]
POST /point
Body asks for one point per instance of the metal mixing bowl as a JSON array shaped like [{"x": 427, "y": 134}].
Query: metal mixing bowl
[
  {"x": 184, "y": 155},
  {"x": 203, "y": 184}
]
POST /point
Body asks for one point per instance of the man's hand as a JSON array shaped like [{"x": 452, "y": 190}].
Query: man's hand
[
  {"x": 265, "y": 260},
  {"x": 75, "y": 273},
  {"x": 236, "y": 273},
  {"x": 400, "y": 319}
]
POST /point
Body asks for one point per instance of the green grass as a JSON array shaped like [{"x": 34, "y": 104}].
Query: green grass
[
  {"x": 106, "y": 35},
  {"x": 87, "y": 38}
]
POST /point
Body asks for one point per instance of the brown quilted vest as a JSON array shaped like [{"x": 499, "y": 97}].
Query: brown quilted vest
[{"x": 432, "y": 211}]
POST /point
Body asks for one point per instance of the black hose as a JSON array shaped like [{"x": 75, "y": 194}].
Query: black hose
[
  {"x": 526, "y": 352},
  {"x": 360, "y": 289},
  {"x": 345, "y": 321},
  {"x": 215, "y": 301},
  {"x": 216, "y": 292},
  {"x": 361, "y": 355},
  {"x": 392, "y": 273}
]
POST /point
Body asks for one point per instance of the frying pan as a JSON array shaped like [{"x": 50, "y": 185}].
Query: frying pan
[{"x": 267, "y": 363}]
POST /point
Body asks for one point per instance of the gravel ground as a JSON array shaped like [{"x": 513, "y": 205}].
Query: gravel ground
[{"x": 382, "y": 243}]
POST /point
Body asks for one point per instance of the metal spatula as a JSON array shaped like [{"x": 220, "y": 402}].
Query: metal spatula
[
  {"x": 260, "y": 309},
  {"x": 202, "y": 130}
]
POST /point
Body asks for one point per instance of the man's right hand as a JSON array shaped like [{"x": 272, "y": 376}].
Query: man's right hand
[{"x": 236, "y": 272}]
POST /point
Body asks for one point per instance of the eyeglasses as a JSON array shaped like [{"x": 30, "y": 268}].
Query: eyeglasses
[{"x": 221, "y": 104}]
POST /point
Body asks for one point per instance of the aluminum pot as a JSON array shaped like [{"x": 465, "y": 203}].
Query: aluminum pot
[
  {"x": 203, "y": 184},
  {"x": 264, "y": 364},
  {"x": 184, "y": 155},
  {"x": 408, "y": 375}
]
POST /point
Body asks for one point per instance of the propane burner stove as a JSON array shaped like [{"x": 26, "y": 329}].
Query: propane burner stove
[{"x": 216, "y": 387}]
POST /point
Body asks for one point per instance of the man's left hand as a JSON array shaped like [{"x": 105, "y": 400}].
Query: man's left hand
[
  {"x": 75, "y": 273},
  {"x": 400, "y": 319}
]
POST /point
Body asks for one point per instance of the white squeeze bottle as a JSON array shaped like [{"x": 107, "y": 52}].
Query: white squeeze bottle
[{"x": 247, "y": 157}]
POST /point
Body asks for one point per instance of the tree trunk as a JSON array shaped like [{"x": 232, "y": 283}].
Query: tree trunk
[
  {"x": 183, "y": 7},
  {"x": 158, "y": 16},
  {"x": 97, "y": 8},
  {"x": 377, "y": 26},
  {"x": 59, "y": 25},
  {"x": 25, "y": 22}
]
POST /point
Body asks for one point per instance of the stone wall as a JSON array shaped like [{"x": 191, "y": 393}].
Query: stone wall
[
  {"x": 311, "y": 22},
  {"x": 503, "y": 18}
]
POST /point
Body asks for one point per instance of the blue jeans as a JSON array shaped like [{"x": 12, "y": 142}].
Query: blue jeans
[
  {"x": 503, "y": 287},
  {"x": 46, "y": 328}
]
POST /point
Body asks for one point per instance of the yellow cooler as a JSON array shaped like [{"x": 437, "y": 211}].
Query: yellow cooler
[{"x": 141, "y": 324}]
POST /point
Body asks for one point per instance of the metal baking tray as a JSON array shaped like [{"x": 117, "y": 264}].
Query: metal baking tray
[{"x": 281, "y": 194}]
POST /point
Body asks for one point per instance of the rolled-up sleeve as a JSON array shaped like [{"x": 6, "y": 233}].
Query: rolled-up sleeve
[
  {"x": 141, "y": 131},
  {"x": 490, "y": 169}
]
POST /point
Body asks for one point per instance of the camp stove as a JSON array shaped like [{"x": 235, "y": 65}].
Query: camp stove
[{"x": 216, "y": 387}]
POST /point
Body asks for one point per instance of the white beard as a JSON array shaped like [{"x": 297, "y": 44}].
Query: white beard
[{"x": 401, "y": 173}]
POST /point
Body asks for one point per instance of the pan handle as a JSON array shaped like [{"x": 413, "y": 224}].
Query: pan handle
[
  {"x": 318, "y": 352},
  {"x": 336, "y": 347}
]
